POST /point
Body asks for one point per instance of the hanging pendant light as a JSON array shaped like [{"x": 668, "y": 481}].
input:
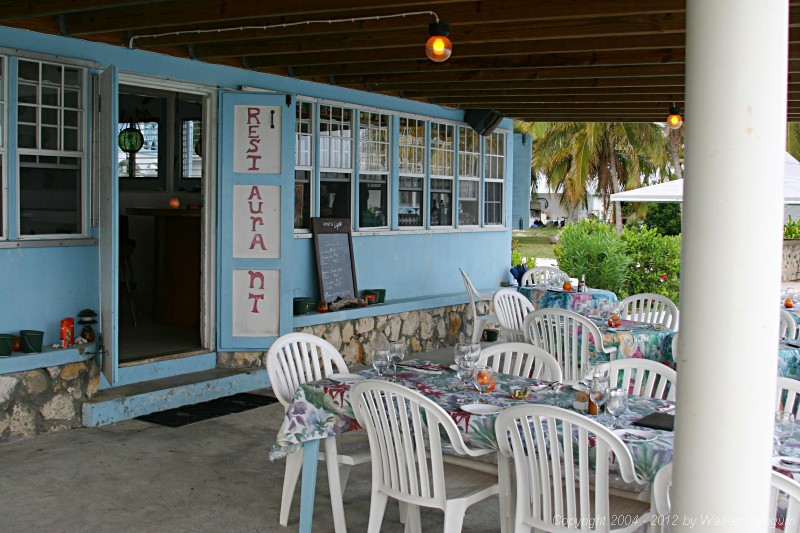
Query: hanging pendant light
[
  {"x": 674, "y": 120},
  {"x": 439, "y": 47},
  {"x": 130, "y": 140}
]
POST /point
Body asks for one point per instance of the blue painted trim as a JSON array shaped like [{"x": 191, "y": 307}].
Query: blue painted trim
[
  {"x": 164, "y": 369},
  {"x": 394, "y": 158},
  {"x": 12, "y": 166},
  {"x": 309, "y": 484},
  {"x": 22, "y": 362},
  {"x": 119, "y": 409},
  {"x": 389, "y": 308}
]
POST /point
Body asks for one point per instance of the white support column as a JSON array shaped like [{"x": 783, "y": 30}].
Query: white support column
[{"x": 736, "y": 77}]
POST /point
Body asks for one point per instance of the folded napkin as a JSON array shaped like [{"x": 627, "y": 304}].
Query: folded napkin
[
  {"x": 424, "y": 367},
  {"x": 518, "y": 271}
]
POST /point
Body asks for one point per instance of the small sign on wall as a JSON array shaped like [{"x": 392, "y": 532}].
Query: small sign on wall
[
  {"x": 256, "y": 221},
  {"x": 256, "y": 303},
  {"x": 257, "y": 139}
]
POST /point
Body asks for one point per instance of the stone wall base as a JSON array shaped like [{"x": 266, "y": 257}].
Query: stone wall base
[
  {"x": 791, "y": 260},
  {"x": 45, "y": 399}
]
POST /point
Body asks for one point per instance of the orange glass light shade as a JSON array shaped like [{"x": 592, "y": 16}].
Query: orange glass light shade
[
  {"x": 674, "y": 121},
  {"x": 438, "y": 48},
  {"x": 174, "y": 203}
]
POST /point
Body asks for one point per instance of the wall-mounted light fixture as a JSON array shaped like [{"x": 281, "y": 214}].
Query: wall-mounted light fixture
[
  {"x": 439, "y": 47},
  {"x": 674, "y": 120}
]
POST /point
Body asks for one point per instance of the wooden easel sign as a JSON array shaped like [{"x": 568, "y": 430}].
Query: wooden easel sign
[{"x": 336, "y": 269}]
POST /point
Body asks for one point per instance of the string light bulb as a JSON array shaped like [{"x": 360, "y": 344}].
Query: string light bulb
[
  {"x": 439, "y": 47},
  {"x": 674, "y": 120}
]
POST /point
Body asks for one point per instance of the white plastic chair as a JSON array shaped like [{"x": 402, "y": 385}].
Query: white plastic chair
[
  {"x": 541, "y": 275},
  {"x": 650, "y": 308},
  {"x": 557, "y": 483},
  {"x": 521, "y": 359},
  {"x": 790, "y": 387},
  {"x": 788, "y": 325},
  {"x": 784, "y": 492},
  {"x": 404, "y": 429},
  {"x": 511, "y": 307},
  {"x": 644, "y": 377},
  {"x": 294, "y": 359},
  {"x": 565, "y": 335},
  {"x": 791, "y": 499},
  {"x": 478, "y": 321}
]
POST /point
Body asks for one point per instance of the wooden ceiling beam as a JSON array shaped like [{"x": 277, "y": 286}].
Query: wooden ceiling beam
[{"x": 16, "y": 9}]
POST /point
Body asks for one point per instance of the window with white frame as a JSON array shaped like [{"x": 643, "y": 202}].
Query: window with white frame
[
  {"x": 50, "y": 108},
  {"x": 494, "y": 178},
  {"x": 373, "y": 180},
  {"x": 303, "y": 164},
  {"x": 442, "y": 174},
  {"x": 335, "y": 161},
  {"x": 2, "y": 147},
  {"x": 469, "y": 176},
  {"x": 411, "y": 147}
]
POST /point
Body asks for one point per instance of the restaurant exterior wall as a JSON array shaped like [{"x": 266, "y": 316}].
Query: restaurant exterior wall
[
  {"x": 520, "y": 205},
  {"x": 791, "y": 260}
]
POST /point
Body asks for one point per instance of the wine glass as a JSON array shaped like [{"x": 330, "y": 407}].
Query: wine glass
[
  {"x": 617, "y": 404},
  {"x": 460, "y": 351},
  {"x": 380, "y": 361},
  {"x": 397, "y": 351},
  {"x": 465, "y": 370},
  {"x": 598, "y": 393},
  {"x": 784, "y": 428},
  {"x": 474, "y": 352},
  {"x": 482, "y": 378}
]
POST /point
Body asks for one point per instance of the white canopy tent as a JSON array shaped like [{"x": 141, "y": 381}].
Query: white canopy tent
[{"x": 672, "y": 191}]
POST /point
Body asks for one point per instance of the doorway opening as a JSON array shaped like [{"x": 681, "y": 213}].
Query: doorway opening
[{"x": 165, "y": 300}]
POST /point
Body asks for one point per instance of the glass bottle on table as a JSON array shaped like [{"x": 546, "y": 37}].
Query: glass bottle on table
[
  {"x": 598, "y": 393},
  {"x": 582, "y": 283}
]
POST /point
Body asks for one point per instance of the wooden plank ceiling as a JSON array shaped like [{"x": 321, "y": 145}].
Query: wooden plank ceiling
[{"x": 544, "y": 60}]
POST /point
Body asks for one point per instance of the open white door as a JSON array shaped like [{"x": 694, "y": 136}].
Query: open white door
[{"x": 106, "y": 168}]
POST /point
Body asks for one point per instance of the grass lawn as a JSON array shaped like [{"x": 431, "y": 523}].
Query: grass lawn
[{"x": 535, "y": 242}]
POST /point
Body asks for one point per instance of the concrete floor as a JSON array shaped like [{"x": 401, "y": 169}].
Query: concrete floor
[{"x": 208, "y": 476}]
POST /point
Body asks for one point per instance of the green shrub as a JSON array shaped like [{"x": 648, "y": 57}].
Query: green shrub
[
  {"x": 592, "y": 248},
  {"x": 655, "y": 263},
  {"x": 791, "y": 230},
  {"x": 516, "y": 256},
  {"x": 665, "y": 218}
]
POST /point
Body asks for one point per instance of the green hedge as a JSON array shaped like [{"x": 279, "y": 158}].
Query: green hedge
[{"x": 636, "y": 261}]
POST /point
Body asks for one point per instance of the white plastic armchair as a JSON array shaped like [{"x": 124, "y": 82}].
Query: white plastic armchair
[
  {"x": 650, "y": 308},
  {"x": 791, "y": 389},
  {"x": 541, "y": 275},
  {"x": 478, "y": 321},
  {"x": 567, "y": 336},
  {"x": 561, "y": 460},
  {"x": 294, "y": 359},
  {"x": 521, "y": 359},
  {"x": 788, "y": 325},
  {"x": 511, "y": 307},
  {"x": 645, "y": 378},
  {"x": 661, "y": 498},
  {"x": 405, "y": 433}
]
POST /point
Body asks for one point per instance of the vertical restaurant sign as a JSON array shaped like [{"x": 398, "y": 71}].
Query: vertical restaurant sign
[
  {"x": 256, "y": 303},
  {"x": 257, "y": 139},
  {"x": 256, "y": 221}
]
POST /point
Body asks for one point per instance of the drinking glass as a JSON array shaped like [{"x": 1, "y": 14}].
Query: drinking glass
[
  {"x": 397, "y": 351},
  {"x": 380, "y": 361},
  {"x": 464, "y": 370},
  {"x": 617, "y": 404},
  {"x": 599, "y": 392},
  {"x": 474, "y": 352},
  {"x": 482, "y": 378},
  {"x": 784, "y": 428},
  {"x": 460, "y": 351}
]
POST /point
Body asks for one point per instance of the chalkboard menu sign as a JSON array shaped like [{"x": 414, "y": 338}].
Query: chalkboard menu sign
[{"x": 336, "y": 269}]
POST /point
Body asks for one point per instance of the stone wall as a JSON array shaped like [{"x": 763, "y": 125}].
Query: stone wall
[
  {"x": 45, "y": 399},
  {"x": 420, "y": 331},
  {"x": 791, "y": 260}
]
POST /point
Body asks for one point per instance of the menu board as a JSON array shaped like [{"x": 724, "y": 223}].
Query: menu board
[{"x": 336, "y": 270}]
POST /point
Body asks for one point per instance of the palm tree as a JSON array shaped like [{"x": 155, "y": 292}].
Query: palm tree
[{"x": 611, "y": 156}]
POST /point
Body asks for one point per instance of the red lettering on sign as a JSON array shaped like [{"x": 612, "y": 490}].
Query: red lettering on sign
[
  {"x": 252, "y": 131},
  {"x": 256, "y": 220},
  {"x": 253, "y": 161},
  {"x": 253, "y": 145},
  {"x": 257, "y": 210},
  {"x": 254, "y": 193},
  {"x": 259, "y": 240},
  {"x": 255, "y": 298},
  {"x": 252, "y": 115},
  {"x": 256, "y": 276}
]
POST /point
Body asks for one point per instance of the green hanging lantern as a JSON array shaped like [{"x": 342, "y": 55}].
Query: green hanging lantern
[{"x": 130, "y": 139}]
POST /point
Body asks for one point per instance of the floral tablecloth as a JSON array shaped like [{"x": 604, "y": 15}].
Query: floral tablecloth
[
  {"x": 543, "y": 297},
  {"x": 637, "y": 339},
  {"x": 322, "y": 409}
]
